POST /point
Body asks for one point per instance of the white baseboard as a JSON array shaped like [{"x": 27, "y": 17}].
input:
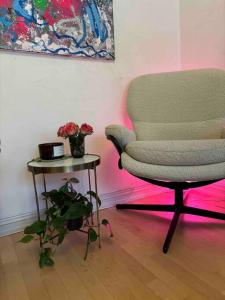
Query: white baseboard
[{"x": 18, "y": 223}]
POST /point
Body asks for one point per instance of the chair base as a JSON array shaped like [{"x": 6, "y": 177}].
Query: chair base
[{"x": 178, "y": 207}]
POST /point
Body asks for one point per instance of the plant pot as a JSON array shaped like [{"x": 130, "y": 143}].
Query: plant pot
[
  {"x": 75, "y": 224},
  {"x": 77, "y": 146}
]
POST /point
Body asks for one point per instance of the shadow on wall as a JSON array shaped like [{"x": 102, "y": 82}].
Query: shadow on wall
[
  {"x": 119, "y": 179},
  {"x": 126, "y": 120},
  {"x": 111, "y": 177}
]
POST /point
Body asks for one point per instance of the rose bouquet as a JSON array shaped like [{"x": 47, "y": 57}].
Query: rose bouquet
[
  {"x": 76, "y": 136},
  {"x": 72, "y": 129}
]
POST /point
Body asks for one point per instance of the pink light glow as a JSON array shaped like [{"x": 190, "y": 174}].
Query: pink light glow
[{"x": 211, "y": 197}]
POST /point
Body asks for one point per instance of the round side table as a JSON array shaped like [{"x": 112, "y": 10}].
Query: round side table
[{"x": 66, "y": 165}]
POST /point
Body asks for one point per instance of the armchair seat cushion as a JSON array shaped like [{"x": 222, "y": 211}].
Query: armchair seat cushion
[
  {"x": 178, "y": 152},
  {"x": 173, "y": 173}
]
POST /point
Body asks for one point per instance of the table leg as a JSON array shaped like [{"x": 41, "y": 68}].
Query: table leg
[
  {"x": 89, "y": 182},
  {"x": 36, "y": 197},
  {"x": 97, "y": 208},
  {"x": 45, "y": 190}
]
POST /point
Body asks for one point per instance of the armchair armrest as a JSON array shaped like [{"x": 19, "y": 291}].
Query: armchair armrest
[{"x": 120, "y": 136}]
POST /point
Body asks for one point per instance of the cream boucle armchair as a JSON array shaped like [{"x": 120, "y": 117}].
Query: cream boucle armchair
[{"x": 178, "y": 138}]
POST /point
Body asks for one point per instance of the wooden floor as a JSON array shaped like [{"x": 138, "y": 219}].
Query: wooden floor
[{"x": 129, "y": 266}]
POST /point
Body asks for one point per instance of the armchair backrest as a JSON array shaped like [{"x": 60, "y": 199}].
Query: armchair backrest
[{"x": 178, "y": 105}]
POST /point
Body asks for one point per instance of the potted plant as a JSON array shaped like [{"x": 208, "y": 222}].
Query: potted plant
[{"x": 68, "y": 210}]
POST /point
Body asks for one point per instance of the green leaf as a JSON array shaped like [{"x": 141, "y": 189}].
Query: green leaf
[
  {"x": 64, "y": 188},
  {"x": 57, "y": 213},
  {"x": 47, "y": 238},
  {"x": 90, "y": 206},
  {"x": 82, "y": 198},
  {"x": 77, "y": 210},
  {"x": 45, "y": 194},
  {"x": 92, "y": 235},
  {"x": 51, "y": 211},
  {"x": 57, "y": 198},
  {"x": 58, "y": 223},
  {"x": 73, "y": 180},
  {"x": 26, "y": 239},
  {"x": 71, "y": 195},
  {"x": 105, "y": 222},
  {"x": 49, "y": 194},
  {"x": 93, "y": 194},
  {"x": 37, "y": 227},
  {"x": 45, "y": 258},
  {"x": 61, "y": 237}
]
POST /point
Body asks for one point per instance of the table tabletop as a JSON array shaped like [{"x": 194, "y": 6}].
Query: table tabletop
[{"x": 66, "y": 164}]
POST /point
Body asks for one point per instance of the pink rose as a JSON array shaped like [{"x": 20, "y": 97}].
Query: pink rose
[
  {"x": 61, "y": 132},
  {"x": 86, "y": 129},
  {"x": 71, "y": 128}
]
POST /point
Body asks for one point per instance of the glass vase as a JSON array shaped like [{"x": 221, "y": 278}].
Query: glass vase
[{"x": 77, "y": 146}]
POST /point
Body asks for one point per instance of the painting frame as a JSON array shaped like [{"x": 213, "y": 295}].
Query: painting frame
[{"x": 71, "y": 28}]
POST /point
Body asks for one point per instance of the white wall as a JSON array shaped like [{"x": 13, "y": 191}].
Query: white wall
[
  {"x": 202, "y": 33},
  {"x": 39, "y": 93}
]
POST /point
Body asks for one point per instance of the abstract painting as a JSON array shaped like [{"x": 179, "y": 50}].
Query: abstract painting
[{"x": 79, "y": 28}]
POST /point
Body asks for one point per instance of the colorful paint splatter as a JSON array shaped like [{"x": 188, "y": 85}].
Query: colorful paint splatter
[{"x": 81, "y": 28}]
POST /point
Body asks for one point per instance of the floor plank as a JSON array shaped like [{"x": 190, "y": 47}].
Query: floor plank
[{"x": 130, "y": 266}]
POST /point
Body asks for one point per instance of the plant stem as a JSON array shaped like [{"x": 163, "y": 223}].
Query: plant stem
[
  {"x": 87, "y": 247},
  {"x": 52, "y": 238}
]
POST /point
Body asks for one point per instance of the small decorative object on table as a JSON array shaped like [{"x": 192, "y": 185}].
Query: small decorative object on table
[
  {"x": 51, "y": 151},
  {"x": 76, "y": 137}
]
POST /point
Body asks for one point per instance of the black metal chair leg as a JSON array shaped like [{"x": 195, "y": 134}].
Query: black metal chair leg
[
  {"x": 178, "y": 208},
  {"x": 203, "y": 213},
  {"x": 171, "y": 230}
]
